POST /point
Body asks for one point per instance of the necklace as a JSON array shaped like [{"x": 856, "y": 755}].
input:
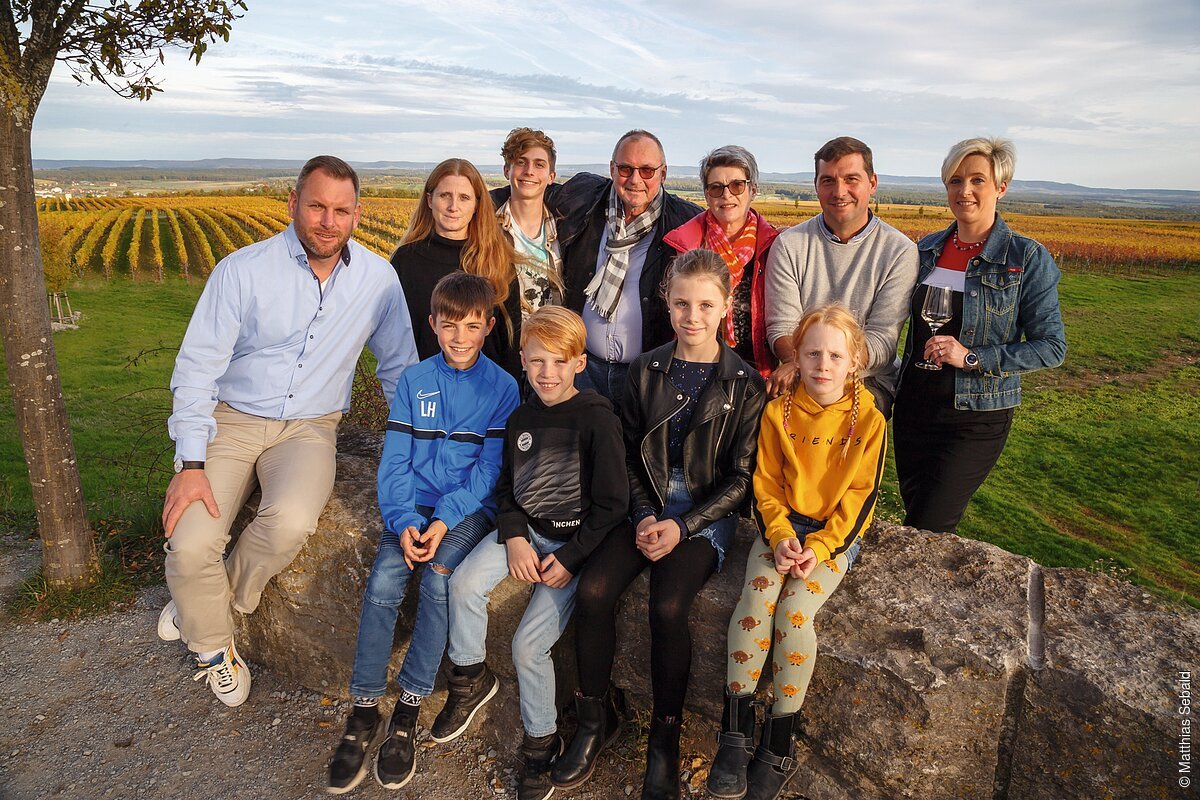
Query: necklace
[{"x": 964, "y": 248}]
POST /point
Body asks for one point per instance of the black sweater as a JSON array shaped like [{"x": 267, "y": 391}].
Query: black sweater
[
  {"x": 420, "y": 265},
  {"x": 563, "y": 473}
]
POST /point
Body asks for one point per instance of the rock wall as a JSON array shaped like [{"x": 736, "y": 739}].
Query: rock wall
[{"x": 948, "y": 668}]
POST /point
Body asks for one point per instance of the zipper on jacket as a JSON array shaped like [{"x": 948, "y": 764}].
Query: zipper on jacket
[{"x": 642, "y": 448}]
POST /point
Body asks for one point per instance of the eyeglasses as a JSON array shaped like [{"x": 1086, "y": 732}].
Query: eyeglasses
[
  {"x": 626, "y": 170},
  {"x": 715, "y": 190}
]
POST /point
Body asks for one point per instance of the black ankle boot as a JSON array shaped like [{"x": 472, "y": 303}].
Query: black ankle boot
[
  {"x": 773, "y": 765},
  {"x": 727, "y": 777},
  {"x": 662, "y": 760},
  {"x": 537, "y": 754},
  {"x": 599, "y": 725}
]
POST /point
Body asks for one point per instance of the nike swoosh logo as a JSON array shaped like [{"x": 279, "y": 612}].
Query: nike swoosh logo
[{"x": 423, "y": 396}]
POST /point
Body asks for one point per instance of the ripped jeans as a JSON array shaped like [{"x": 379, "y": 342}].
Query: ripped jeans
[{"x": 381, "y": 605}]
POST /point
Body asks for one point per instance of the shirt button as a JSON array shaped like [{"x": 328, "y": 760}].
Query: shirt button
[
  {"x": 311, "y": 336},
  {"x": 290, "y": 396},
  {"x": 299, "y": 366},
  {"x": 974, "y": 293},
  {"x": 680, "y": 397}
]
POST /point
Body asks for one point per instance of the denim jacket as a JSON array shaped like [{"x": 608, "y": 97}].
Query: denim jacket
[{"x": 1011, "y": 317}]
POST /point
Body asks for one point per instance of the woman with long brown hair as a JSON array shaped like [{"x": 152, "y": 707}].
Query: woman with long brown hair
[{"x": 454, "y": 227}]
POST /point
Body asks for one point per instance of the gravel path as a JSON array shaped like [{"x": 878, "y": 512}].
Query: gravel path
[{"x": 100, "y": 708}]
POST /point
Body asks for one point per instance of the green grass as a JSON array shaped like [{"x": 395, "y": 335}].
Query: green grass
[
  {"x": 1100, "y": 470},
  {"x": 1101, "y": 467},
  {"x": 115, "y": 372},
  {"x": 1126, "y": 325},
  {"x": 113, "y": 587}
]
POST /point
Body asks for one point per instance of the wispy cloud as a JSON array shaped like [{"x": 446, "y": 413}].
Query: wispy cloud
[{"x": 1092, "y": 93}]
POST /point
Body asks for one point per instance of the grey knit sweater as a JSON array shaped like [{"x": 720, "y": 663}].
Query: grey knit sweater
[{"x": 873, "y": 275}]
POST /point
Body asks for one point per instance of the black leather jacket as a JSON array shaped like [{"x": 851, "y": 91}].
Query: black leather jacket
[
  {"x": 721, "y": 445},
  {"x": 579, "y": 207}
]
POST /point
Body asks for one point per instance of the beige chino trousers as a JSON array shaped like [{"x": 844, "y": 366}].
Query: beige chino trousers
[{"x": 293, "y": 462}]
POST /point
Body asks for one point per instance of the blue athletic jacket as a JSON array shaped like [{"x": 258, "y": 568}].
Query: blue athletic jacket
[{"x": 444, "y": 439}]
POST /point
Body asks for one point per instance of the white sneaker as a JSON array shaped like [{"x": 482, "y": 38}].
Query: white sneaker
[
  {"x": 227, "y": 675},
  {"x": 168, "y": 623}
]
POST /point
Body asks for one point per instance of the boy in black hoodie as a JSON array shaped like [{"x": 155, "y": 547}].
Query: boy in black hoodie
[{"x": 562, "y": 488}]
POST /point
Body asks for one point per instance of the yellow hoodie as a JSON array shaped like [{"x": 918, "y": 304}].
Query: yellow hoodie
[{"x": 804, "y": 472}]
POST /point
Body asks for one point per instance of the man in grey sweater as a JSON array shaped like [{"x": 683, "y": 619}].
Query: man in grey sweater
[{"x": 843, "y": 255}]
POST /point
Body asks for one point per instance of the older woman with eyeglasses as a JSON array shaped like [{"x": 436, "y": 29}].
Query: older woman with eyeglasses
[{"x": 742, "y": 237}]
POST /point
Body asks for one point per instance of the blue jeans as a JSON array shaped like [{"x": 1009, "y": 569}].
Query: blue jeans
[
  {"x": 381, "y": 605},
  {"x": 545, "y": 619},
  {"x": 805, "y": 525},
  {"x": 679, "y": 502},
  {"x": 608, "y": 379}
]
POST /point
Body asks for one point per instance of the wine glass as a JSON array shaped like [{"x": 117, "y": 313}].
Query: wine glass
[{"x": 937, "y": 310}]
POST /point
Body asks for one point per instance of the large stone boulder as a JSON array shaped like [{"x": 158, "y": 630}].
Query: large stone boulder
[
  {"x": 305, "y": 626},
  {"x": 948, "y": 668}
]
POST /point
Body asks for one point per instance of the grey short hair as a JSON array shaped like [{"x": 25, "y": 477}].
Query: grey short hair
[
  {"x": 730, "y": 155},
  {"x": 638, "y": 133},
  {"x": 332, "y": 166},
  {"x": 1000, "y": 152}
]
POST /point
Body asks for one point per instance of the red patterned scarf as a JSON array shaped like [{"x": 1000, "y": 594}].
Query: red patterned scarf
[{"x": 736, "y": 254}]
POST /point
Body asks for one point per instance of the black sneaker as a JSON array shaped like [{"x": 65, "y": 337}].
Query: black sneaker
[
  {"x": 396, "y": 760},
  {"x": 537, "y": 756},
  {"x": 348, "y": 767},
  {"x": 467, "y": 695}
]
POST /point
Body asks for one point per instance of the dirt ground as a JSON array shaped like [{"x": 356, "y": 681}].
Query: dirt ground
[{"x": 100, "y": 708}]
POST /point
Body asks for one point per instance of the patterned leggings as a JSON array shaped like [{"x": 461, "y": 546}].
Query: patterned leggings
[{"x": 789, "y": 605}]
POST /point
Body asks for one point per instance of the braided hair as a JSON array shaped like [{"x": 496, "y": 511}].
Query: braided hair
[{"x": 836, "y": 316}]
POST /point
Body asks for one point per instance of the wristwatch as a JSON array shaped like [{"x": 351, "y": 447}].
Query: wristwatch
[
  {"x": 971, "y": 361},
  {"x": 181, "y": 465}
]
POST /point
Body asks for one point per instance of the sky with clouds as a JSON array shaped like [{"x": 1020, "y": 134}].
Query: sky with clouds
[{"x": 1096, "y": 93}]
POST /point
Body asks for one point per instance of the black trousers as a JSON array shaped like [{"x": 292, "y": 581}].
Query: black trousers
[{"x": 943, "y": 456}]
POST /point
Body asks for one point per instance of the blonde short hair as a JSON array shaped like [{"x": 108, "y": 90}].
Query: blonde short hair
[
  {"x": 559, "y": 329},
  {"x": 999, "y": 151}
]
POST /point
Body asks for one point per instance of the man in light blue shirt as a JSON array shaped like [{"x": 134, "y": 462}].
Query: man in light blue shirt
[{"x": 262, "y": 378}]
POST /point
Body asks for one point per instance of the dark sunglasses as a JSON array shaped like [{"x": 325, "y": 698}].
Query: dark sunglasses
[
  {"x": 626, "y": 170},
  {"x": 715, "y": 190}
]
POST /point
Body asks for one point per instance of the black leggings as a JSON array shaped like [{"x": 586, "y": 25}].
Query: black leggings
[
  {"x": 942, "y": 457},
  {"x": 675, "y": 580}
]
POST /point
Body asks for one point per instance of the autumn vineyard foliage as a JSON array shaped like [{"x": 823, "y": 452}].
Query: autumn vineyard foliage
[{"x": 152, "y": 238}]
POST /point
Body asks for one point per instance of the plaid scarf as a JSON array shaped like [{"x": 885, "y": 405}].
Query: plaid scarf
[
  {"x": 604, "y": 290},
  {"x": 736, "y": 254}
]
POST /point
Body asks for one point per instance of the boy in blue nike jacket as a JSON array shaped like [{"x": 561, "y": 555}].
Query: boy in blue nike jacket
[{"x": 437, "y": 479}]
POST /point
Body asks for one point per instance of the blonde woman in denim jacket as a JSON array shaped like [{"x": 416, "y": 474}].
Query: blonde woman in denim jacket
[{"x": 951, "y": 424}]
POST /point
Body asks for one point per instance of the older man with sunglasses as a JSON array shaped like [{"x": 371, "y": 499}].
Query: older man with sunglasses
[{"x": 611, "y": 231}]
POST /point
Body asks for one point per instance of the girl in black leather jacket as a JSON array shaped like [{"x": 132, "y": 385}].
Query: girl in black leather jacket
[{"x": 690, "y": 418}]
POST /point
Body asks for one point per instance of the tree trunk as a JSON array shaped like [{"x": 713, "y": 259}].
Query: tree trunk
[{"x": 68, "y": 547}]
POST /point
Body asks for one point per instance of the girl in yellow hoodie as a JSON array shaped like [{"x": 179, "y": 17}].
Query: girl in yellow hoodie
[{"x": 820, "y": 461}]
